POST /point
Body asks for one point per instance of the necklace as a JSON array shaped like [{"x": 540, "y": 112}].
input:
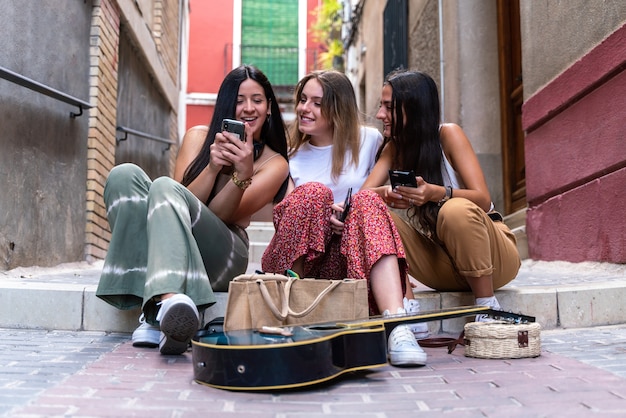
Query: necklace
[{"x": 258, "y": 148}]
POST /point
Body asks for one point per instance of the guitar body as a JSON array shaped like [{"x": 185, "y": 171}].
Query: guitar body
[
  {"x": 251, "y": 360},
  {"x": 296, "y": 356}
]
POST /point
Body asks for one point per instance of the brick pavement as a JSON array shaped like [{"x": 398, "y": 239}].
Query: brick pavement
[{"x": 89, "y": 374}]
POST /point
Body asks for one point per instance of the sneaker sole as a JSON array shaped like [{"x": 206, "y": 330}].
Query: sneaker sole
[
  {"x": 407, "y": 359},
  {"x": 147, "y": 338},
  {"x": 145, "y": 344},
  {"x": 178, "y": 326}
]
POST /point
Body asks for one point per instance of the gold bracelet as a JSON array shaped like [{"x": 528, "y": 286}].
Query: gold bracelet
[{"x": 242, "y": 184}]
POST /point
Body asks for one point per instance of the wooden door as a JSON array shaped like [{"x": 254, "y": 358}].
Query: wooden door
[{"x": 511, "y": 99}]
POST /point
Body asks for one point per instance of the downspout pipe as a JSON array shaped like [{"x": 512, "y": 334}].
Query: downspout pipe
[{"x": 441, "y": 62}]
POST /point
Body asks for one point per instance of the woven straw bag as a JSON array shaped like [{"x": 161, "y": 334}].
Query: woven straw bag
[{"x": 502, "y": 340}]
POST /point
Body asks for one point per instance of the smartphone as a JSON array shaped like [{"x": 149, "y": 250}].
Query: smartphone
[
  {"x": 402, "y": 178},
  {"x": 236, "y": 127},
  {"x": 346, "y": 206}
]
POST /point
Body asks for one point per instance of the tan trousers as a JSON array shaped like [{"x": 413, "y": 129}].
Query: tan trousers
[{"x": 473, "y": 246}]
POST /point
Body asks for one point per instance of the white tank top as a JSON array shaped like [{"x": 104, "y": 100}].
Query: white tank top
[{"x": 311, "y": 163}]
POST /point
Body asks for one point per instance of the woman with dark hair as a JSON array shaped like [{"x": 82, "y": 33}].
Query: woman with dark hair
[
  {"x": 175, "y": 241},
  {"x": 453, "y": 239},
  {"x": 332, "y": 153}
]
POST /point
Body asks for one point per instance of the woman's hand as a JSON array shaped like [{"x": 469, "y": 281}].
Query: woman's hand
[
  {"x": 228, "y": 150},
  {"x": 335, "y": 224},
  {"x": 404, "y": 197}
]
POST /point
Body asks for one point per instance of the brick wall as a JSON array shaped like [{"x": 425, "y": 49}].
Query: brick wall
[
  {"x": 104, "y": 46},
  {"x": 102, "y": 121},
  {"x": 166, "y": 32},
  {"x": 166, "y": 37}
]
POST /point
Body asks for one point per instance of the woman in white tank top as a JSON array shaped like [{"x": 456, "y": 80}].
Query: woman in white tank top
[{"x": 452, "y": 242}]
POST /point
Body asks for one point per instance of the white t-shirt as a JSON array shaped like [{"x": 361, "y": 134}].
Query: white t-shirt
[{"x": 313, "y": 163}]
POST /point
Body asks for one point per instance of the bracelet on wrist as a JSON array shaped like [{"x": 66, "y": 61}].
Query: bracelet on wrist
[
  {"x": 447, "y": 196},
  {"x": 242, "y": 184}
]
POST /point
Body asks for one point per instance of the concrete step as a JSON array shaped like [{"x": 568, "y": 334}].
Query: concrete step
[
  {"x": 260, "y": 234},
  {"x": 559, "y": 294}
]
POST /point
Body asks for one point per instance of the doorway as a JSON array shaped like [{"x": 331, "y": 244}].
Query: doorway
[{"x": 511, "y": 99}]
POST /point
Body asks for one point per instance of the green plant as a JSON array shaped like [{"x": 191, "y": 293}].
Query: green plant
[{"x": 327, "y": 32}]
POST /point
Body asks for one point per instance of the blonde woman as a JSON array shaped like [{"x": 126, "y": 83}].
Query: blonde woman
[{"x": 332, "y": 153}]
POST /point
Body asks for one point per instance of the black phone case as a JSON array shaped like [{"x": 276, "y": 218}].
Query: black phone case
[
  {"x": 402, "y": 178},
  {"x": 346, "y": 206}
]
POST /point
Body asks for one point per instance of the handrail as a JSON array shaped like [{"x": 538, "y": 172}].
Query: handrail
[
  {"x": 43, "y": 89},
  {"x": 127, "y": 131}
]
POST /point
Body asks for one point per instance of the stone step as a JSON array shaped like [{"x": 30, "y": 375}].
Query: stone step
[
  {"x": 559, "y": 294},
  {"x": 260, "y": 234},
  {"x": 260, "y": 231}
]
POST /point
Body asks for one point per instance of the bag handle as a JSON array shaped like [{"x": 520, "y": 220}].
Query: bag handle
[
  {"x": 255, "y": 277},
  {"x": 284, "y": 311},
  {"x": 333, "y": 284},
  {"x": 286, "y": 293}
]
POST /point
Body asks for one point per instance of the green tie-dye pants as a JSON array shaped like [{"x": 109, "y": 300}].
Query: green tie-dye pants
[{"x": 164, "y": 240}]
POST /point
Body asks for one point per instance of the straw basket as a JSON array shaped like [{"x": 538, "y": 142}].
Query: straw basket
[{"x": 502, "y": 340}]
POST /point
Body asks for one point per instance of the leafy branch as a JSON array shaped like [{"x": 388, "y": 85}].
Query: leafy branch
[{"x": 327, "y": 32}]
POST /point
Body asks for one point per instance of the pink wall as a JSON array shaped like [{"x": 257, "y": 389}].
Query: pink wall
[
  {"x": 210, "y": 32},
  {"x": 312, "y": 46},
  {"x": 576, "y": 159}
]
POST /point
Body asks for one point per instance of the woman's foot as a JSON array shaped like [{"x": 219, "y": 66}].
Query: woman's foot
[
  {"x": 179, "y": 320},
  {"x": 402, "y": 349},
  {"x": 419, "y": 330},
  {"x": 492, "y": 303},
  {"x": 146, "y": 335}
]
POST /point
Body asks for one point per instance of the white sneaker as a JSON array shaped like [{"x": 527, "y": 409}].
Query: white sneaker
[
  {"x": 483, "y": 318},
  {"x": 419, "y": 330},
  {"x": 402, "y": 349},
  {"x": 146, "y": 335},
  {"x": 179, "y": 320},
  {"x": 491, "y": 302}
]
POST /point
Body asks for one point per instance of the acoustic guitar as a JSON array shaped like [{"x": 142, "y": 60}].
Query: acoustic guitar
[{"x": 296, "y": 356}]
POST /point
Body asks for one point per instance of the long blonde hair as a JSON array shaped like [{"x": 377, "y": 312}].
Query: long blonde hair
[{"x": 340, "y": 108}]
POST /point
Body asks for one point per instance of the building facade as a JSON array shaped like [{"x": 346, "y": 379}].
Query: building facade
[
  {"x": 538, "y": 88},
  {"x": 273, "y": 35},
  {"x": 116, "y": 63}
]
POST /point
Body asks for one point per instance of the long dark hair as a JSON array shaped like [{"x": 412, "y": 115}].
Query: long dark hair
[
  {"x": 415, "y": 100},
  {"x": 273, "y": 132}
]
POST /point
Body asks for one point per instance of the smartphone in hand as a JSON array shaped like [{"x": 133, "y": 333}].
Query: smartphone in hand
[
  {"x": 235, "y": 127},
  {"x": 402, "y": 178},
  {"x": 346, "y": 206}
]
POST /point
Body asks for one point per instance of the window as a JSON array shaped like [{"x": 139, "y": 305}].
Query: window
[{"x": 269, "y": 38}]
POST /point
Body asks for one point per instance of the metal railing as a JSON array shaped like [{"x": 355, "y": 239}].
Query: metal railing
[
  {"x": 43, "y": 89},
  {"x": 140, "y": 134}
]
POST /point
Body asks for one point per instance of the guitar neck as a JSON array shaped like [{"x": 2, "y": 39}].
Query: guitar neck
[{"x": 440, "y": 314}]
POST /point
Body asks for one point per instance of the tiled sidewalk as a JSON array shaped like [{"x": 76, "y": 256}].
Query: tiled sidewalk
[{"x": 580, "y": 373}]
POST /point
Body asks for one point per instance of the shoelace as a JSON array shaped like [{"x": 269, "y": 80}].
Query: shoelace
[
  {"x": 419, "y": 330},
  {"x": 403, "y": 336},
  {"x": 413, "y": 306}
]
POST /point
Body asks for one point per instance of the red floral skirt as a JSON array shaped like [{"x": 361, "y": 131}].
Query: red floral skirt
[{"x": 302, "y": 229}]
